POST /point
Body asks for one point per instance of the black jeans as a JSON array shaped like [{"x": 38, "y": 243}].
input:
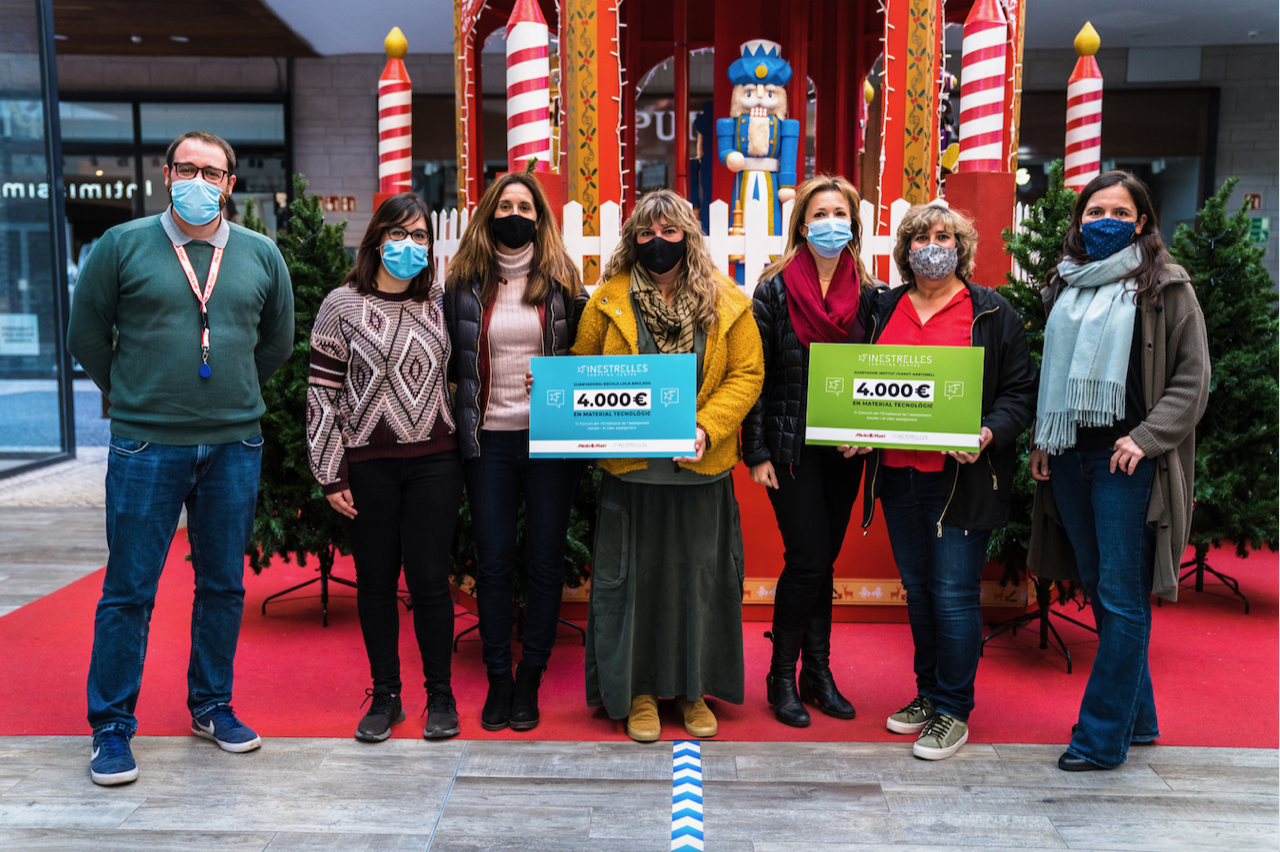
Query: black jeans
[
  {"x": 812, "y": 503},
  {"x": 406, "y": 510},
  {"x": 496, "y": 480}
]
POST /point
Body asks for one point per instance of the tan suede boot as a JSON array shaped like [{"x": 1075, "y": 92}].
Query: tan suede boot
[
  {"x": 699, "y": 721},
  {"x": 643, "y": 724}
]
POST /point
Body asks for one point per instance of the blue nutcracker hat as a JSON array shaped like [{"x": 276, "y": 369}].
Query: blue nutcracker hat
[{"x": 761, "y": 64}]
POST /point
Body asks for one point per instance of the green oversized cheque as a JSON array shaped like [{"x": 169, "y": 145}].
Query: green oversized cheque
[{"x": 904, "y": 397}]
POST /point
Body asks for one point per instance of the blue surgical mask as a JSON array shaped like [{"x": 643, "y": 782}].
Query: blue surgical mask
[
  {"x": 404, "y": 259},
  {"x": 197, "y": 201},
  {"x": 1105, "y": 237},
  {"x": 829, "y": 236}
]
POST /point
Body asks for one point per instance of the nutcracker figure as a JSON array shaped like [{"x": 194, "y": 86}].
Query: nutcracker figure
[{"x": 758, "y": 142}]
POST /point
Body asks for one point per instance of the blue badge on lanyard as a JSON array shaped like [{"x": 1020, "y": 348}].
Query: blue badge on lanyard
[{"x": 203, "y": 298}]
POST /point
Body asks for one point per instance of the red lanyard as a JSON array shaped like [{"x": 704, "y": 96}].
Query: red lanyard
[{"x": 203, "y": 298}]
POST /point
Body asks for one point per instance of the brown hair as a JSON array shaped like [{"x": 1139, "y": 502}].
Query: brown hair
[
  {"x": 208, "y": 139},
  {"x": 477, "y": 257},
  {"x": 1146, "y": 277},
  {"x": 796, "y": 241},
  {"x": 919, "y": 220},
  {"x": 698, "y": 274},
  {"x": 399, "y": 209}
]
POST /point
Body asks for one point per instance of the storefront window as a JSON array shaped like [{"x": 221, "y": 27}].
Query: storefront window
[{"x": 34, "y": 392}]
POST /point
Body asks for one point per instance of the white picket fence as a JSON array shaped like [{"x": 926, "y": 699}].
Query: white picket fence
[{"x": 755, "y": 246}]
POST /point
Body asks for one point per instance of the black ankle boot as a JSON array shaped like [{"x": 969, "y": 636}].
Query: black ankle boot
[
  {"x": 817, "y": 686},
  {"x": 497, "y": 705},
  {"x": 524, "y": 702},
  {"x": 780, "y": 684}
]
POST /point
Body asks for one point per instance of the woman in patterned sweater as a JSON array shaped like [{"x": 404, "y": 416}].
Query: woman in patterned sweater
[{"x": 383, "y": 447}]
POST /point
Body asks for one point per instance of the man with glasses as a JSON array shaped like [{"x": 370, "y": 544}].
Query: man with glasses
[{"x": 180, "y": 319}]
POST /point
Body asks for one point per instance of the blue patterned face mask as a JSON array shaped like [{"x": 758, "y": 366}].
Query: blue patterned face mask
[
  {"x": 829, "y": 236},
  {"x": 1105, "y": 237},
  {"x": 404, "y": 259}
]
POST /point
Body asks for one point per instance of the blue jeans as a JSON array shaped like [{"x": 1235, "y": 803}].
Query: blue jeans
[
  {"x": 496, "y": 481},
  {"x": 941, "y": 570},
  {"x": 1105, "y": 515},
  {"x": 147, "y": 485}
]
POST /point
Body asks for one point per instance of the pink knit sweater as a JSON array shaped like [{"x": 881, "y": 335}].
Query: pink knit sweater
[{"x": 515, "y": 336}]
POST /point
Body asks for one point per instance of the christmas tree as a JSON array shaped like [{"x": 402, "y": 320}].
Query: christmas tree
[
  {"x": 294, "y": 520},
  {"x": 1236, "y": 464},
  {"x": 1036, "y": 248}
]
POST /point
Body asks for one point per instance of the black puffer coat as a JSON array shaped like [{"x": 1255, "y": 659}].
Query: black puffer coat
[
  {"x": 774, "y": 430},
  {"x": 469, "y": 359}
]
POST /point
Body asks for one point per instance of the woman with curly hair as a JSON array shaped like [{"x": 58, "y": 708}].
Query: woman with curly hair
[
  {"x": 665, "y": 616},
  {"x": 512, "y": 293},
  {"x": 940, "y": 507}
]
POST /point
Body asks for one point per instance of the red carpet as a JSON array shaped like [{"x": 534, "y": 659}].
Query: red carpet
[{"x": 1214, "y": 670}]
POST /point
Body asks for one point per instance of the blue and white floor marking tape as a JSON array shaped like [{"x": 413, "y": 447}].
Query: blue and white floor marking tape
[{"x": 686, "y": 796}]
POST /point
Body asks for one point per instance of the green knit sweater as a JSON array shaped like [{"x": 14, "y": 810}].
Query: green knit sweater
[{"x": 132, "y": 288}]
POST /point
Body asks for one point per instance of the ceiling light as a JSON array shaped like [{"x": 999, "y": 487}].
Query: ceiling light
[
  {"x": 98, "y": 173},
  {"x": 136, "y": 39},
  {"x": 1023, "y": 178},
  {"x": 179, "y": 39},
  {"x": 64, "y": 38}
]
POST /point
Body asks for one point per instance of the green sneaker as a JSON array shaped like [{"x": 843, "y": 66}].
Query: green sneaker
[
  {"x": 911, "y": 719},
  {"x": 941, "y": 736}
]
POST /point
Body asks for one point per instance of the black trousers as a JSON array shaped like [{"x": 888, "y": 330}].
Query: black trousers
[
  {"x": 406, "y": 510},
  {"x": 812, "y": 504}
]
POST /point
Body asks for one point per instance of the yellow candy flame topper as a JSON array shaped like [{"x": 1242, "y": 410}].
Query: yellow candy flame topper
[
  {"x": 1087, "y": 41},
  {"x": 395, "y": 45}
]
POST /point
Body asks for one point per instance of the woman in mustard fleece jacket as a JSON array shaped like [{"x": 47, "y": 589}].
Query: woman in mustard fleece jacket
[{"x": 665, "y": 617}]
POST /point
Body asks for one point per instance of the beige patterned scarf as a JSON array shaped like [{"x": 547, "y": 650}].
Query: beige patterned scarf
[{"x": 670, "y": 325}]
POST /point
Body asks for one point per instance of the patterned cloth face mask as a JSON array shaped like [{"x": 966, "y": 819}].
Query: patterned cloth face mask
[
  {"x": 933, "y": 262},
  {"x": 1105, "y": 237}
]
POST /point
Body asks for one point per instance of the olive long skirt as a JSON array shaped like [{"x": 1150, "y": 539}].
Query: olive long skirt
[{"x": 665, "y": 615}]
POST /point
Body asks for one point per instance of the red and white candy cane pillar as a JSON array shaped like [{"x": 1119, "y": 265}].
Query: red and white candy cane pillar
[
  {"x": 528, "y": 88},
  {"x": 1084, "y": 112},
  {"x": 982, "y": 185},
  {"x": 395, "y": 121},
  {"x": 983, "y": 74}
]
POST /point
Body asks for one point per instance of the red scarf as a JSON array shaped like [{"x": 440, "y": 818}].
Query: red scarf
[{"x": 814, "y": 319}]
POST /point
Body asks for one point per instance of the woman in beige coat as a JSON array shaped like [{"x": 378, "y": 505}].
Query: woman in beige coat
[{"x": 1124, "y": 381}]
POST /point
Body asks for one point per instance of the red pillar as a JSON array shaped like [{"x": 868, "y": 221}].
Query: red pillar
[
  {"x": 798, "y": 96},
  {"x": 680, "y": 14}
]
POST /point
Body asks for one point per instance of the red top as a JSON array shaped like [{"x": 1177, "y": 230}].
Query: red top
[{"x": 951, "y": 326}]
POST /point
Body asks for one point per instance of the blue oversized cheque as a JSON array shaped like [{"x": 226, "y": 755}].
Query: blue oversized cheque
[{"x": 613, "y": 406}]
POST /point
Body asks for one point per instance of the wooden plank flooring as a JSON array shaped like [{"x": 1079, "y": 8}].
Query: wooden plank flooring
[{"x": 319, "y": 794}]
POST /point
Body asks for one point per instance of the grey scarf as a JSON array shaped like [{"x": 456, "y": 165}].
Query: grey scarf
[{"x": 1086, "y": 350}]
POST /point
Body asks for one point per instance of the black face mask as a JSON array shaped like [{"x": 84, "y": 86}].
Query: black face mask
[
  {"x": 514, "y": 231},
  {"x": 659, "y": 256}
]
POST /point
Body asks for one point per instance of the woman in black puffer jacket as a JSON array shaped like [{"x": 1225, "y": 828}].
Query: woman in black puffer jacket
[
  {"x": 512, "y": 293},
  {"x": 810, "y": 295}
]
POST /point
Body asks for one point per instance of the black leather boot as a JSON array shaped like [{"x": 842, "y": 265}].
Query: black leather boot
[
  {"x": 524, "y": 703},
  {"x": 497, "y": 705},
  {"x": 780, "y": 684},
  {"x": 817, "y": 686}
]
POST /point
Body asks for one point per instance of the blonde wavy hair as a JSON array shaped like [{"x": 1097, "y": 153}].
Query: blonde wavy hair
[
  {"x": 697, "y": 274},
  {"x": 919, "y": 220},
  {"x": 796, "y": 241}
]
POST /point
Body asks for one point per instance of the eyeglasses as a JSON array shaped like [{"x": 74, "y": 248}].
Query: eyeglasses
[
  {"x": 187, "y": 171},
  {"x": 397, "y": 233}
]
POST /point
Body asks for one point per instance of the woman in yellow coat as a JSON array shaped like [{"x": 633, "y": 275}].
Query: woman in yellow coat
[{"x": 665, "y": 617}]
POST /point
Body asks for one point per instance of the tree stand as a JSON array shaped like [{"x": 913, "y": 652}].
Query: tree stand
[
  {"x": 519, "y": 613},
  {"x": 326, "y": 576},
  {"x": 1043, "y": 589},
  {"x": 1199, "y": 567}
]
